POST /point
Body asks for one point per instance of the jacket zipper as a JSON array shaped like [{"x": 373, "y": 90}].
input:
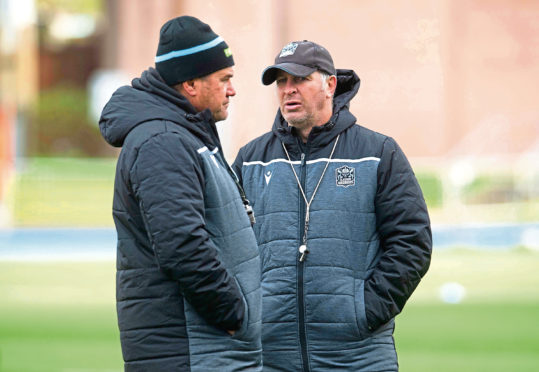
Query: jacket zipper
[{"x": 301, "y": 268}]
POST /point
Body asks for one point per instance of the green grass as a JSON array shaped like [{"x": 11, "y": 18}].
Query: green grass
[
  {"x": 58, "y": 317},
  {"x": 42, "y": 339},
  {"x": 495, "y": 327},
  {"x": 63, "y": 192},
  {"x": 61, "y": 316},
  {"x": 469, "y": 337}
]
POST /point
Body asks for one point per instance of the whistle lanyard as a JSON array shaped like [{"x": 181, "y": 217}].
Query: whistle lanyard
[{"x": 303, "y": 247}]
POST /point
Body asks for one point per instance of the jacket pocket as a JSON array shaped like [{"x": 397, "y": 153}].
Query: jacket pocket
[
  {"x": 245, "y": 323},
  {"x": 361, "y": 317}
]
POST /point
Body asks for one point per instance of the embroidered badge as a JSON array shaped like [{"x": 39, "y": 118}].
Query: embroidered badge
[
  {"x": 345, "y": 176},
  {"x": 288, "y": 49}
]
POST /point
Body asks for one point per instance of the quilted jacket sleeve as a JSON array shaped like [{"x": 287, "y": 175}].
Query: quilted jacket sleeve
[
  {"x": 168, "y": 181},
  {"x": 405, "y": 237}
]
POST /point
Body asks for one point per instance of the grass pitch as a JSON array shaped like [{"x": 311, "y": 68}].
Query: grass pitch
[
  {"x": 60, "y": 317},
  {"x": 63, "y": 192},
  {"x": 494, "y": 337}
]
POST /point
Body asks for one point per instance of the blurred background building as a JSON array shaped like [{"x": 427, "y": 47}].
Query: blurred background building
[{"x": 456, "y": 83}]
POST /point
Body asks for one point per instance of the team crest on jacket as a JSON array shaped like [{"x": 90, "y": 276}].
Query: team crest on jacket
[{"x": 345, "y": 176}]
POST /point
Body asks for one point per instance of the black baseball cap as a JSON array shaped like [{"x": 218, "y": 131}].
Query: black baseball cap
[{"x": 300, "y": 58}]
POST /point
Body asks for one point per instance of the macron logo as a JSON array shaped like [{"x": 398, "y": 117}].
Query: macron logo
[{"x": 267, "y": 176}]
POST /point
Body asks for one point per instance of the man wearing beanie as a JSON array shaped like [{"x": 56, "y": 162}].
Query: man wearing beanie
[
  {"x": 343, "y": 228},
  {"x": 188, "y": 271}
]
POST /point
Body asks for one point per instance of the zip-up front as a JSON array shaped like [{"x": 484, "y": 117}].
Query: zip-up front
[{"x": 301, "y": 268}]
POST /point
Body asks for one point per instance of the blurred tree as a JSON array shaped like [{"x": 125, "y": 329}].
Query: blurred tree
[
  {"x": 431, "y": 185},
  {"x": 59, "y": 125},
  {"x": 72, "y": 6},
  {"x": 69, "y": 52}
]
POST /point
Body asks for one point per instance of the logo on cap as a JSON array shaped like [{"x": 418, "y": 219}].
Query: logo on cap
[
  {"x": 228, "y": 52},
  {"x": 288, "y": 50}
]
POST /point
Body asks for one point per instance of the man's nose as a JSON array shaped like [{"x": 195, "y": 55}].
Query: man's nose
[
  {"x": 230, "y": 91},
  {"x": 290, "y": 87}
]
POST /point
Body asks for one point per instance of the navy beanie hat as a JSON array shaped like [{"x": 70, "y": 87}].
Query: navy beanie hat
[{"x": 189, "y": 49}]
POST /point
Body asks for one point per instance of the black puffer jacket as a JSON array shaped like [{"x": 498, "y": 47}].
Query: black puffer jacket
[{"x": 187, "y": 260}]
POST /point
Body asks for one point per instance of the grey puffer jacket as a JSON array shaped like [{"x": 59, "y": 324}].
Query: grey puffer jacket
[{"x": 369, "y": 239}]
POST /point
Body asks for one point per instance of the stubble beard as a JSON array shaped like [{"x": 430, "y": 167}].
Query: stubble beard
[
  {"x": 301, "y": 122},
  {"x": 219, "y": 116},
  {"x": 308, "y": 120}
]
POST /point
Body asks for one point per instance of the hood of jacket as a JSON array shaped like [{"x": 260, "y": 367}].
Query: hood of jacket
[
  {"x": 150, "y": 98},
  {"x": 347, "y": 87}
]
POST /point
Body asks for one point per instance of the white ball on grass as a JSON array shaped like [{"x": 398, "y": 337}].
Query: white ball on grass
[{"x": 452, "y": 292}]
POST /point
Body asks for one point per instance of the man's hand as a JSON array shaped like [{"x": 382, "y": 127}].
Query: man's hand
[{"x": 231, "y": 333}]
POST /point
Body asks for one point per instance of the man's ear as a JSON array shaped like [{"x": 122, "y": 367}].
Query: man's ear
[
  {"x": 332, "y": 85},
  {"x": 189, "y": 88}
]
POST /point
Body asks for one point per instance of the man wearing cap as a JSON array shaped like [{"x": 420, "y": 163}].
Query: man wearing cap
[
  {"x": 342, "y": 226},
  {"x": 188, "y": 270}
]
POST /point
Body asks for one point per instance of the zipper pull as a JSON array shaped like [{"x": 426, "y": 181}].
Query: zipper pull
[{"x": 302, "y": 159}]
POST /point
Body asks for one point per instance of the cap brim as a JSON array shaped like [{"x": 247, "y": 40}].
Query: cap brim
[{"x": 270, "y": 73}]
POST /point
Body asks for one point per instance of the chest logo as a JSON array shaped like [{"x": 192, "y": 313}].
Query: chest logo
[
  {"x": 267, "y": 176},
  {"x": 345, "y": 176}
]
